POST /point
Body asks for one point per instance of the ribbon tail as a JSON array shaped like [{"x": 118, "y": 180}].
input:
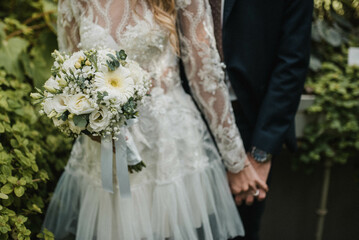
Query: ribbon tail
[
  {"x": 121, "y": 167},
  {"x": 133, "y": 156},
  {"x": 107, "y": 163}
]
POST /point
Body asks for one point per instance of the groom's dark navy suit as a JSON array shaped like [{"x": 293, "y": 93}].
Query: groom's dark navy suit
[{"x": 266, "y": 50}]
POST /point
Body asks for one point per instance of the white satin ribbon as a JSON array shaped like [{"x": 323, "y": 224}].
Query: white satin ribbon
[{"x": 126, "y": 154}]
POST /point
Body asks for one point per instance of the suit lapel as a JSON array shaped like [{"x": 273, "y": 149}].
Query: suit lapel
[{"x": 228, "y": 5}]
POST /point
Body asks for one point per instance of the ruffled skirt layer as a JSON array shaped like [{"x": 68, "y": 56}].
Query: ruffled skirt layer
[{"x": 182, "y": 193}]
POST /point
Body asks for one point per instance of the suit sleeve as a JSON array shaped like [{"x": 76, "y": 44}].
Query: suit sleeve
[{"x": 287, "y": 80}]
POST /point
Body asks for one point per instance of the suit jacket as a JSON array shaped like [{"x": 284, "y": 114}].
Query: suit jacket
[{"x": 266, "y": 46}]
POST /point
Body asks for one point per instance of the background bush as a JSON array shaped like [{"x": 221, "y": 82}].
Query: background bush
[
  {"x": 32, "y": 152},
  {"x": 333, "y": 133}
]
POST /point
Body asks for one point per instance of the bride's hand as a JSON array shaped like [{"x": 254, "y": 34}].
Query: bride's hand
[{"x": 245, "y": 182}]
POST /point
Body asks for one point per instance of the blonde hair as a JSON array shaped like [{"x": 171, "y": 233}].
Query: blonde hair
[{"x": 165, "y": 14}]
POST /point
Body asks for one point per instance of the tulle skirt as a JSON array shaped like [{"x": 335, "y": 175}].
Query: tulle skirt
[{"x": 181, "y": 194}]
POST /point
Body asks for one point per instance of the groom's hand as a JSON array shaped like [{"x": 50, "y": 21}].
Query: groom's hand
[
  {"x": 262, "y": 170},
  {"x": 245, "y": 182}
]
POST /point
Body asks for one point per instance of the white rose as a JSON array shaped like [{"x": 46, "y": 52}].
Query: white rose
[
  {"x": 99, "y": 120},
  {"x": 78, "y": 104},
  {"x": 51, "y": 85},
  {"x": 48, "y": 106},
  {"x": 74, "y": 128},
  {"x": 59, "y": 103}
]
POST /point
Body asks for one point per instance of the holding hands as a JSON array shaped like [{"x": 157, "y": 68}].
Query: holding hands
[{"x": 250, "y": 183}]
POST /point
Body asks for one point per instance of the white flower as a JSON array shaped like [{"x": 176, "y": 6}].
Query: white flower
[
  {"x": 70, "y": 63},
  {"x": 51, "y": 85},
  {"x": 62, "y": 82},
  {"x": 99, "y": 120},
  {"x": 58, "y": 122},
  {"x": 35, "y": 96},
  {"x": 74, "y": 128},
  {"x": 48, "y": 106},
  {"x": 118, "y": 84},
  {"x": 137, "y": 73},
  {"x": 87, "y": 69},
  {"x": 59, "y": 103},
  {"x": 78, "y": 104}
]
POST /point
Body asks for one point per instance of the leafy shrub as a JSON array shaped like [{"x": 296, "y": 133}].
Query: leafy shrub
[
  {"x": 32, "y": 152},
  {"x": 333, "y": 133}
]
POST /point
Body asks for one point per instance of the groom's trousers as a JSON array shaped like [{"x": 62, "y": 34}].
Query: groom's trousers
[{"x": 251, "y": 215}]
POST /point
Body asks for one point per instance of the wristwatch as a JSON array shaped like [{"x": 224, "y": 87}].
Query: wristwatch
[{"x": 260, "y": 156}]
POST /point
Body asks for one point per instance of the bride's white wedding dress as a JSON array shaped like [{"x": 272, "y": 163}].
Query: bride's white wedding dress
[{"x": 183, "y": 192}]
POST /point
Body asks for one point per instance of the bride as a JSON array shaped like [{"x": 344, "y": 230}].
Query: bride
[{"x": 182, "y": 193}]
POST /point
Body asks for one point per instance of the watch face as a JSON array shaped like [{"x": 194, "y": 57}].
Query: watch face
[
  {"x": 259, "y": 155},
  {"x": 260, "y": 158}
]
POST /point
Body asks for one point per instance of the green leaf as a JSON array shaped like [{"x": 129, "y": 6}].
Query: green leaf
[
  {"x": 10, "y": 53},
  {"x": 38, "y": 62},
  {"x": 2, "y": 129},
  {"x": 7, "y": 188},
  {"x": 24, "y": 160},
  {"x": 19, "y": 191},
  {"x": 5, "y": 169},
  {"x": 81, "y": 120},
  {"x": 4, "y": 196},
  {"x": 121, "y": 55},
  {"x": 36, "y": 208},
  {"x": 12, "y": 179}
]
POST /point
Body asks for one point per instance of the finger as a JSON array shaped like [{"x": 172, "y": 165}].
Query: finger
[
  {"x": 262, "y": 185},
  {"x": 235, "y": 189},
  {"x": 249, "y": 199},
  {"x": 262, "y": 195},
  {"x": 238, "y": 200},
  {"x": 241, "y": 197},
  {"x": 245, "y": 188},
  {"x": 253, "y": 186}
]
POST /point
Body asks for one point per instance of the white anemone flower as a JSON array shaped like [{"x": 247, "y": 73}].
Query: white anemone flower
[{"x": 118, "y": 84}]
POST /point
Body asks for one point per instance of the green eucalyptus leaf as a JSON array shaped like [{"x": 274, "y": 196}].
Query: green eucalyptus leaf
[{"x": 81, "y": 120}]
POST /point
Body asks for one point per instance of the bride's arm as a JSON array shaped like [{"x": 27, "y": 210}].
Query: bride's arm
[
  {"x": 67, "y": 28},
  {"x": 206, "y": 79}
]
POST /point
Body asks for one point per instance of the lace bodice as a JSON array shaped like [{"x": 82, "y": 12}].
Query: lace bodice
[{"x": 121, "y": 24}]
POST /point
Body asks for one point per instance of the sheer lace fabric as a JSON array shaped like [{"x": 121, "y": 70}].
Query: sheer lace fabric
[
  {"x": 114, "y": 24},
  {"x": 182, "y": 193}
]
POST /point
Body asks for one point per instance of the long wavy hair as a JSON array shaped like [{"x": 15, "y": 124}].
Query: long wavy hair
[{"x": 165, "y": 14}]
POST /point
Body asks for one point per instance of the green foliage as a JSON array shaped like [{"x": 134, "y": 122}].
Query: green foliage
[
  {"x": 333, "y": 132},
  {"x": 32, "y": 152}
]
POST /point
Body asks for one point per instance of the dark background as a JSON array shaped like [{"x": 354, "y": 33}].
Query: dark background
[{"x": 294, "y": 198}]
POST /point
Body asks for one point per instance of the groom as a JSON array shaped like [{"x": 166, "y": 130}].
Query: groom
[{"x": 266, "y": 51}]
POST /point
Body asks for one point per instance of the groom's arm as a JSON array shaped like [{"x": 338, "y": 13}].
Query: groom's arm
[{"x": 287, "y": 80}]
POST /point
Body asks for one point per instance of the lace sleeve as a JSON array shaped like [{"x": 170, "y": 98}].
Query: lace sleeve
[
  {"x": 206, "y": 79},
  {"x": 67, "y": 28}
]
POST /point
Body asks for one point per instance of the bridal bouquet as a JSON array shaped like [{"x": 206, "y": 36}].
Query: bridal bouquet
[
  {"x": 97, "y": 92},
  {"x": 94, "y": 92}
]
